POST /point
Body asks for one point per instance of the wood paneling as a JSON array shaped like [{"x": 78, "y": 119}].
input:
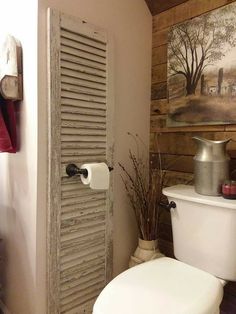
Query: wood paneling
[
  {"x": 159, "y": 91},
  {"x": 158, "y": 6},
  {"x": 185, "y": 11},
  {"x": 159, "y": 55},
  {"x": 159, "y": 73},
  {"x": 159, "y": 107},
  {"x": 175, "y": 144},
  {"x": 160, "y": 38}
]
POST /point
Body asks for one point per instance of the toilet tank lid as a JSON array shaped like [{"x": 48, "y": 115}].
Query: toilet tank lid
[{"x": 187, "y": 193}]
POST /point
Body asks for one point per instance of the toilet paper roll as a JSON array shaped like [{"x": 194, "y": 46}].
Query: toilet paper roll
[{"x": 98, "y": 176}]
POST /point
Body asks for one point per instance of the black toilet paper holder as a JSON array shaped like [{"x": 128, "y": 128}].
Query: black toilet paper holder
[{"x": 72, "y": 170}]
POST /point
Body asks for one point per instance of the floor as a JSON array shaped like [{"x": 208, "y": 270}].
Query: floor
[{"x": 228, "y": 306}]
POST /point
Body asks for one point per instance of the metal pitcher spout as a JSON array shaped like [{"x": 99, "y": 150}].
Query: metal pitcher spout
[
  {"x": 205, "y": 140},
  {"x": 199, "y": 139},
  {"x": 224, "y": 142}
]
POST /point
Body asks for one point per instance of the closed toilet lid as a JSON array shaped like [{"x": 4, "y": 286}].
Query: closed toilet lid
[{"x": 161, "y": 286}]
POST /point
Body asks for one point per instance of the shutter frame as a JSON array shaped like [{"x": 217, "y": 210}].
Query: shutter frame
[
  {"x": 54, "y": 162},
  {"x": 77, "y": 112}
]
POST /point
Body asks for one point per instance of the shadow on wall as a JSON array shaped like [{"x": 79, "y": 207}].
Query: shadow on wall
[
  {"x": 15, "y": 273},
  {"x": 18, "y": 260}
]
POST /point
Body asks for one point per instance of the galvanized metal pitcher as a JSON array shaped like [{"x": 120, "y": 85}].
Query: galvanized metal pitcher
[{"x": 211, "y": 166}]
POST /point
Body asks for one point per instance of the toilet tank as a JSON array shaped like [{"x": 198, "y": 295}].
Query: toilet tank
[{"x": 204, "y": 230}]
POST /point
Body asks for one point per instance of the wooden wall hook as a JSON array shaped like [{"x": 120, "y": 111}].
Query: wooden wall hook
[{"x": 11, "y": 69}]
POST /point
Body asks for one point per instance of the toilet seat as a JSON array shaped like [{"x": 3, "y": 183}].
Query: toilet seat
[{"x": 161, "y": 286}]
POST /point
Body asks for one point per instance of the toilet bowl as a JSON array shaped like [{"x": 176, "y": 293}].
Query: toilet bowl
[
  {"x": 204, "y": 229},
  {"x": 161, "y": 286}
]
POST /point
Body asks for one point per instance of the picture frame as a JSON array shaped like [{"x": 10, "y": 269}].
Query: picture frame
[{"x": 201, "y": 69}]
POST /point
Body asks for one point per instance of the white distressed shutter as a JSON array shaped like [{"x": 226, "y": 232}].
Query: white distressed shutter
[{"x": 79, "y": 230}]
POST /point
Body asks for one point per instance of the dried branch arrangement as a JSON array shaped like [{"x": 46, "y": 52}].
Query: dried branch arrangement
[{"x": 144, "y": 190}]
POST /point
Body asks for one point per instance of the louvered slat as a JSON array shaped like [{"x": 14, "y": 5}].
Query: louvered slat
[
  {"x": 84, "y": 152},
  {"x": 83, "y": 257},
  {"x": 83, "y": 104},
  {"x": 83, "y": 40},
  {"x": 80, "y": 128},
  {"x": 83, "y": 69},
  {"x": 84, "y": 197},
  {"x": 98, "y": 87},
  {"x": 83, "y": 226},
  {"x": 83, "y": 47},
  {"x": 80, "y": 96},
  {"x": 82, "y": 159},
  {"x": 75, "y": 88},
  {"x": 71, "y": 304},
  {"x": 84, "y": 308},
  {"x": 72, "y": 259},
  {"x": 75, "y": 208},
  {"x": 83, "y": 76},
  {"x": 69, "y": 296},
  {"x": 82, "y": 220},
  {"x": 83, "y": 117},
  {"x": 83, "y": 54},
  {"x": 82, "y": 233},
  {"x": 84, "y": 289},
  {"x": 75, "y": 271},
  {"x": 83, "y": 131},
  {"x": 78, "y": 60},
  {"x": 72, "y": 286},
  {"x": 83, "y": 145},
  {"x": 83, "y": 138},
  {"x": 83, "y": 111},
  {"x": 71, "y": 192},
  {"x": 81, "y": 245}
]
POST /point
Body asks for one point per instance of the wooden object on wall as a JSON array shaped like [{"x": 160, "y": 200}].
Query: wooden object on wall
[
  {"x": 11, "y": 69},
  {"x": 80, "y": 124}
]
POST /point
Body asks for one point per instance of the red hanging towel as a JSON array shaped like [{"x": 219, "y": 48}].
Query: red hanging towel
[
  {"x": 5, "y": 141},
  {"x": 8, "y": 136}
]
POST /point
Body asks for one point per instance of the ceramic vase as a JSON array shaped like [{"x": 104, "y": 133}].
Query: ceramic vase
[{"x": 146, "y": 251}]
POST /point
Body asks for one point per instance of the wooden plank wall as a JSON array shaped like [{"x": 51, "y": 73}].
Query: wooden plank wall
[
  {"x": 158, "y": 6},
  {"x": 176, "y": 144}
]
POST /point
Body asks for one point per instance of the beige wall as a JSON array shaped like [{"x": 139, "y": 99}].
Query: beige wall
[
  {"x": 23, "y": 176},
  {"x": 19, "y": 171}
]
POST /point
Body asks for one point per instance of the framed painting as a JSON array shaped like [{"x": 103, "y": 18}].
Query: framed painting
[{"x": 202, "y": 69}]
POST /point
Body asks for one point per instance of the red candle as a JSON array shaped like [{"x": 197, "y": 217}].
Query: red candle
[{"x": 229, "y": 189}]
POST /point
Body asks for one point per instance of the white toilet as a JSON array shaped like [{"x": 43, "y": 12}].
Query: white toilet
[{"x": 204, "y": 232}]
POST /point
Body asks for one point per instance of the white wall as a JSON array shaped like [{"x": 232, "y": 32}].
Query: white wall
[
  {"x": 128, "y": 22},
  {"x": 18, "y": 172}
]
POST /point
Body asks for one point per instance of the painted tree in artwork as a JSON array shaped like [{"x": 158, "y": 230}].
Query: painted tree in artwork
[{"x": 194, "y": 45}]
